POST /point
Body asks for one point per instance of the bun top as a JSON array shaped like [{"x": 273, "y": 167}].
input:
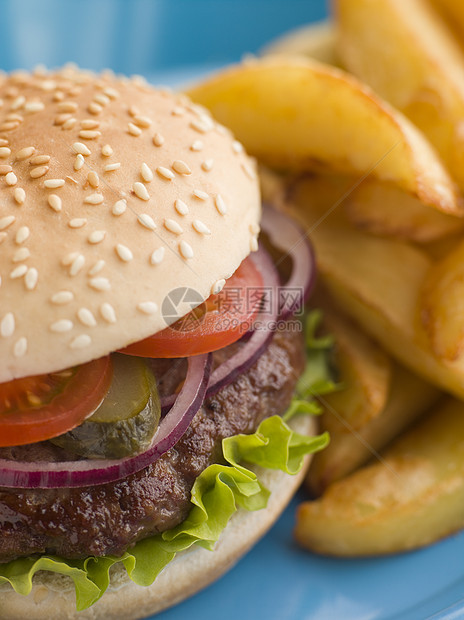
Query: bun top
[{"x": 112, "y": 195}]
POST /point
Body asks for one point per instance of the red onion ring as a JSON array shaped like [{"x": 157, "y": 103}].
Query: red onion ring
[
  {"x": 258, "y": 336},
  {"x": 93, "y": 472},
  {"x": 288, "y": 237}
]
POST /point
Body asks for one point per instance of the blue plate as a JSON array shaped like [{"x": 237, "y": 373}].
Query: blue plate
[
  {"x": 169, "y": 41},
  {"x": 279, "y": 581}
]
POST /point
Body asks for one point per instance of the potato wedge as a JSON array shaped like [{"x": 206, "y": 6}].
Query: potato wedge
[
  {"x": 405, "y": 52},
  {"x": 443, "y": 305},
  {"x": 383, "y": 209},
  {"x": 453, "y": 11},
  {"x": 295, "y": 113},
  {"x": 365, "y": 371},
  {"x": 413, "y": 497},
  {"x": 377, "y": 282},
  {"x": 314, "y": 40},
  {"x": 409, "y": 397}
]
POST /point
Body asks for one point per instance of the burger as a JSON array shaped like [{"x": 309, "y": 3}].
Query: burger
[{"x": 148, "y": 347}]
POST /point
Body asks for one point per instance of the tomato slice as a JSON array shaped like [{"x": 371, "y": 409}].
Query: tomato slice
[
  {"x": 36, "y": 408},
  {"x": 220, "y": 320}
]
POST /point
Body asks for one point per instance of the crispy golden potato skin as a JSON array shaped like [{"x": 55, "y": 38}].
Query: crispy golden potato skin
[{"x": 412, "y": 497}]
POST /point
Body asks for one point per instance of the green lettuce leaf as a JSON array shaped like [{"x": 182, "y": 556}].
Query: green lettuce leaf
[{"x": 217, "y": 493}]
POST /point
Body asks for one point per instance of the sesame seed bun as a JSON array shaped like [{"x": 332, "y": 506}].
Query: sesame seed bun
[
  {"x": 52, "y": 596},
  {"x": 112, "y": 194}
]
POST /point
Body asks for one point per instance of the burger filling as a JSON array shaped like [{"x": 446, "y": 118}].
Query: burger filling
[{"x": 108, "y": 519}]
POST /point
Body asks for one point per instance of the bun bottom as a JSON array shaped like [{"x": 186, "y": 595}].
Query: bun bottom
[{"x": 53, "y": 598}]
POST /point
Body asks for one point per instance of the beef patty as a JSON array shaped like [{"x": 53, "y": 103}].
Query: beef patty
[{"x": 108, "y": 519}]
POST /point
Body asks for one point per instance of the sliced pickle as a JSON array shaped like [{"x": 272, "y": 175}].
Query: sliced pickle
[{"x": 127, "y": 419}]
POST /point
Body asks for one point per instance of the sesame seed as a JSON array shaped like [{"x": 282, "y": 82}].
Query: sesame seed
[
  {"x": 97, "y": 267},
  {"x": 34, "y": 106},
  {"x": 76, "y": 265},
  {"x": 254, "y": 228},
  {"x": 38, "y": 172},
  {"x": 237, "y": 147},
  {"x": 93, "y": 179},
  {"x": 6, "y": 221},
  {"x": 81, "y": 149},
  {"x": 107, "y": 151},
  {"x": 220, "y": 204},
  {"x": 7, "y": 325},
  {"x": 3, "y": 141},
  {"x": 55, "y": 202},
  {"x": 58, "y": 96},
  {"x": 200, "y": 227},
  {"x": 133, "y": 129},
  {"x": 157, "y": 257},
  {"x": 108, "y": 313},
  {"x": 146, "y": 220},
  {"x": 158, "y": 139},
  {"x": 141, "y": 191},
  {"x": 94, "y": 108},
  {"x": 200, "y": 194},
  {"x": 20, "y": 255},
  {"x": 181, "y": 207},
  {"x": 94, "y": 199},
  {"x": 146, "y": 173},
  {"x": 22, "y": 234},
  {"x": 185, "y": 249},
  {"x": 61, "y": 119},
  {"x": 80, "y": 342},
  {"x": 207, "y": 164},
  {"x": 86, "y": 317},
  {"x": 96, "y": 236},
  {"x": 253, "y": 244},
  {"x": 90, "y": 123},
  {"x": 100, "y": 284},
  {"x": 165, "y": 173},
  {"x": 5, "y": 169},
  {"x": 124, "y": 253},
  {"x": 5, "y": 151},
  {"x": 217, "y": 286},
  {"x": 89, "y": 134},
  {"x": 71, "y": 180},
  {"x": 69, "y": 124},
  {"x": 68, "y": 259},
  {"x": 78, "y": 162},
  {"x": 142, "y": 121},
  {"x": 197, "y": 146},
  {"x": 248, "y": 170},
  {"x": 62, "y": 297},
  {"x": 111, "y": 93},
  {"x": 18, "y": 102},
  {"x": 147, "y": 307},
  {"x": 68, "y": 106},
  {"x": 181, "y": 167},
  {"x": 20, "y": 347},
  {"x": 19, "y": 195},
  {"x": 63, "y": 325},
  {"x": 31, "y": 279},
  {"x": 11, "y": 178},
  {"x": 102, "y": 99},
  {"x": 77, "y": 222},
  {"x": 14, "y": 117},
  {"x": 39, "y": 160},
  {"x": 202, "y": 125},
  {"x": 133, "y": 111},
  {"x": 119, "y": 207},
  {"x": 111, "y": 167},
  {"x": 173, "y": 226},
  {"x": 18, "y": 272},
  {"x": 54, "y": 183}
]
